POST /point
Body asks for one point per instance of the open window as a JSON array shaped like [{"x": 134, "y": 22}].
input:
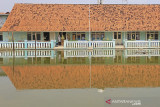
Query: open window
[
  {"x": 152, "y": 35},
  {"x": 1, "y": 36}
]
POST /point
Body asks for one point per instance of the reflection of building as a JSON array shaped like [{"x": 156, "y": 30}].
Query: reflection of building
[
  {"x": 89, "y": 53},
  {"x": 100, "y": 56},
  {"x": 82, "y": 76},
  {"x": 102, "y": 25},
  {"x": 142, "y": 52}
]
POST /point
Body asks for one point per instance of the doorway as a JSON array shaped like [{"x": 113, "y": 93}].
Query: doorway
[
  {"x": 62, "y": 36},
  {"x": 118, "y": 38},
  {"x": 46, "y": 36}
]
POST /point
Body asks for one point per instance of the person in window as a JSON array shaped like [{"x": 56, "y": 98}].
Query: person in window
[{"x": 59, "y": 40}]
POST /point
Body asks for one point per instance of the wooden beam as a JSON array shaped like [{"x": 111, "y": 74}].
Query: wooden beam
[
  {"x": 35, "y": 39},
  {"x": 13, "y": 40},
  {"x": 35, "y": 46}
]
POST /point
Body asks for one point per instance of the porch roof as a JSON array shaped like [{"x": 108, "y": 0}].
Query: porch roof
[{"x": 75, "y": 17}]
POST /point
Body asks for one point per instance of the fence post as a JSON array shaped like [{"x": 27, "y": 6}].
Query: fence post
[
  {"x": 25, "y": 44},
  {"x": 114, "y": 43},
  {"x": 26, "y": 57},
  {"x": 65, "y": 54},
  {"x": 89, "y": 44},
  {"x": 114, "y": 53},
  {"x": 52, "y": 44},
  {"x": 52, "y": 54},
  {"x": 125, "y": 42},
  {"x": 65, "y": 41},
  {"x": 149, "y": 43}
]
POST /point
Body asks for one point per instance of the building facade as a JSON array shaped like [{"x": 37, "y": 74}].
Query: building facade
[{"x": 77, "y": 22}]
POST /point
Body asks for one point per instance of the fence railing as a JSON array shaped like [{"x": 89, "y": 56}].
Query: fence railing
[
  {"x": 86, "y": 53},
  {"x": 87, "y": 44},
  {"x": 144, "y": 52},
  {"x": 27, "y": 53},
  {"x": 28, "y": 45},
  {"x": 142, "y": 44}
]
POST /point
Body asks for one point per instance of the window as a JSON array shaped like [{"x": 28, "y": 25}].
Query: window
[
  {"x": 28, "y": 36},
  {"x": 83, "y": 36},
  {"x": 78, "y": 35},
  {"x": 117, "y": 35},
  {"x": 38, "y": 36},
  {"x": 133, "y": 35},
  {"x": 152, "y": 35},
  {"x": 31, "y": 36},
  {"x": 1, "y": 36},
  {"x": 97, "y": 35}
]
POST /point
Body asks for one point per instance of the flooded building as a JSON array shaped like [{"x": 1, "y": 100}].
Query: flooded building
[{"x": 82, "y": 26}]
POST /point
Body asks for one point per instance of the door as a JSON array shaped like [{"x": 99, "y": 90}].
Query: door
[
  {"x": 118, "y": 38},
  {"x": 46, "y": 36}
]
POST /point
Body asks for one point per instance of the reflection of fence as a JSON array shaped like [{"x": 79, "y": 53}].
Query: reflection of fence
[
  {"x": 86, "y": 53},
  {"x": 87, "y": 44},
  {"x": 27, "y": 53},
  {"x": 142, "y": 44},
  {"x": 144, "y": 52},
  {"x": 27, "y": 45}
]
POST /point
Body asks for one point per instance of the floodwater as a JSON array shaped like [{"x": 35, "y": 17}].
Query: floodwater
[{"x": 80, "y": 78}]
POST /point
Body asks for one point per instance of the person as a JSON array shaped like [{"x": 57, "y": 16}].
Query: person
[{"x": 59, "y": 40}]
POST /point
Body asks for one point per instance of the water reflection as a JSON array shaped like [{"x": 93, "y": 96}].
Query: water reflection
[
  {"x": 70, "y": 69},
  {"x": 80, "y": 76},
  {"x": 52, "y": 57}
]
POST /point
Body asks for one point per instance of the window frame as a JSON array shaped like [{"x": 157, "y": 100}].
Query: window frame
[
  {"x": 133, "y": 35},
  {"x": 78, "y": 36},
  {"x": 33, "y": 36},
  {"x": 97, "y": 36},
  {"x": 116, "y": 35},
  {"x": 154, "y": 33}
]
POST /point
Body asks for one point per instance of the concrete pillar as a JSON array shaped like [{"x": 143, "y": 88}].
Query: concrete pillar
[
  {"x": 26, "y": 57},
  {"x": 52, "y": 54},
  {"x": 89, "y": 43},
  {"x": 25, "y": 44},
  {"x": 149, "y": 43},
  {"x": 52, "y": 44},
  {"x": 65, "y": 41},
  {"x": 113, "y": 43},
  {"x": 125, "y": 42}
]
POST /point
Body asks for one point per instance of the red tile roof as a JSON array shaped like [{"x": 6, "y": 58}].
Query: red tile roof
[
  {"x": 2, "y": 13},
  {"x": 75, "y": 17}
]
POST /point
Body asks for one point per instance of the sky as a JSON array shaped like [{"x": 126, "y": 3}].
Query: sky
[{"x": 7, "y": 5}]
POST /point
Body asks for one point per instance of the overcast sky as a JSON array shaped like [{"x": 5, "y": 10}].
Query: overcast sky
[{"x": 6, "y": 5}]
